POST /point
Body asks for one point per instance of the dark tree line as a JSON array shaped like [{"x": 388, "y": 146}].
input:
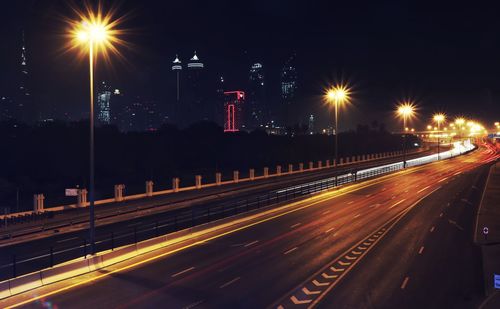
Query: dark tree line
[{"x": 53, "y": 156}]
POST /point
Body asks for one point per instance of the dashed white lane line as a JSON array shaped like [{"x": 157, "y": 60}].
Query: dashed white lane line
[
  {"x": 194, "y": 304},
  {"x": 423, "y": 189},
  {"x": 291, "y": 250},
  {"x": 393, "y": 197},
  {"x": 350, "y": 202},
  {"x": 251, "y": 243},
  {"x": 329, "y": 230},
  {"x": 356, "y": 216},
  {"x": 457, "y": 173},
  {"x": 67, "y": 239},
  {"x": 295, "y": 225},
  {"x": 397, "y": 203},
  {"x": 368, "y": 195},
  {"x": 405, "y": 282},
  {"x": 309, "y": 292},
  {"x": 443, "y": 179},
  {"x": 421, "y": 250},
  {"x": 432, "y": 229},
  {"x": 325, "y": 212},
  {"x": 229, "y": 282},
  {"x": 440, "y": 215},
  {"x": 182, "y": 272}
]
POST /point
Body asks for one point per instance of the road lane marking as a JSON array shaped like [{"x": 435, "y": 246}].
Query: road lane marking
[
  {"x": 393, "y": 197},
  {"x": 317, "y": 283},
  {"x": 357, "y": 216},
  {"x": 67, "y": 239},
  {"x": 440, "y": 215},
  {"x": 300, "y": 302},
  {"x": 327, "y": 276},
  {"x": 350, "y": 202},
  {"x": 405, "y": 282},
  {"x": 289, "y": 251},
  {"x": 397, "y": 203},
  {"x": 356, "y": 252},
  {"x": 361, "y": 248},
  {"x": 350, "y": 257},
  {"x": 366, "y": 243},
  {"x": 337, "y": 269},
  {"x": 421, "y": 250},
  {"x": 344, "y": 263},
  {"x": 229, "y": 282},
  {"x": 295, "y": 225},
  {"x": 329, "y": 230},
  {"x": 423, "y": 189},
  {"x": 443, "y": 179},
  {"x": 432, "y": 229},
  {"x": 252, "y": 243},
  {"x": 309, "y": 292},
  {"x": 182, "y": 272},
  {"x": 325, "y": 212},
  {"x": 194, "y": 304},
  {"x": 368, "y": 195}
]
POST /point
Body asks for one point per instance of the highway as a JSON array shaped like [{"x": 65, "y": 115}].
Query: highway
[
  {"x": 401, "y": 240},
  {"x": 63, "y": 237}
]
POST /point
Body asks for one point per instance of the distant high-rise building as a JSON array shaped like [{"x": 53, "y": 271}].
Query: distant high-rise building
[
  {"x": 257, "y": 111},
  {"x": 6, "y": 105},
  {"x": 196, "y": 104},
  {"x": 310, "y": 127},
  {"x": 24, "y": 110},
  {"x": 219, "y": 101},
  {"x": 103, "y": 103},
  {"x": 233, "y": 109},
  {"x": 288, "y": 88},
  {"x": 177, "y": 68}
]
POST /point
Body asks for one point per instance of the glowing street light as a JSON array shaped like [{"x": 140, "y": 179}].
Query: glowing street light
[
  {"x": 439, "y": 118},
  {"x": 95, "y": 34},
  {"x": 337, "y": 95},
  {"x": 405, "y": 110}
]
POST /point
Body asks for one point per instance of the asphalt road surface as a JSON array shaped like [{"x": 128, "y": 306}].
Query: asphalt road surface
[{"x": 400, "y": 241}]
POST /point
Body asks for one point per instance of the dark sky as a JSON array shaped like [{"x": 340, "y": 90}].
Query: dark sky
[{"x": 443, "y": 54}]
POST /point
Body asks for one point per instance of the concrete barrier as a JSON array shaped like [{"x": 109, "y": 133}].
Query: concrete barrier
[
  {"x": 25, "y": 283},
  {"x": 117, "y": 255},
  {"x": 149, "y": 244},
  {"x": 72, "y": 269}
]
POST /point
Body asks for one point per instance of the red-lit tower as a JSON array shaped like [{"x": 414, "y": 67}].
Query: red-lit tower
[{"x": 233, "y": 109}]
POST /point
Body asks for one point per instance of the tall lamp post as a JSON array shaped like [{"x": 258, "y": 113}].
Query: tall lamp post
[
  {"x": 405, "y": 110},
  {"x": 438, "y": 119},
  {"x": 337, "y": 95},
  {"x": 94, "y": 34}
]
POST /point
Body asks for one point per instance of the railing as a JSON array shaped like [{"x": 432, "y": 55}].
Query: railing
[{"x": 13, "y": 264}]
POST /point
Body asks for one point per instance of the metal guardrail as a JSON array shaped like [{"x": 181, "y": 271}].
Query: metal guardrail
[{"x": 13, "y": 265}]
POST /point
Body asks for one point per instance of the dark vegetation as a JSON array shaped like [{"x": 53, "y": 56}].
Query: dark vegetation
[{"x": 53, "y": 156}]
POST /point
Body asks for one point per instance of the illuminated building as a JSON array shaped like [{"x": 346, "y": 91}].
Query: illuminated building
[
  {"x": 233, "y": 109},
  {"x": 177, "y": 68},
  {"x": 256, "y": 106},
  {"x": 195, "y": 106},
  {"x": 288, "y": 87},
  {"x": 23, "y": 109},
  {"x": 103, "y": 103},
  {"x": 310, "y": 127}
]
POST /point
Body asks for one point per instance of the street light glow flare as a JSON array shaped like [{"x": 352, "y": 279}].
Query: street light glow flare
[
  {"x": 439, "y": 118},
  {"x": 96, "y": 31},
  {"x": 338, "y": 94},
  {"x": 406, "y": 110}
]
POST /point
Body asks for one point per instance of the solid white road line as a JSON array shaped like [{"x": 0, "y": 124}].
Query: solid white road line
[
  {"x": 289, "y": 251},
  {"x": 405, "y": 282},
  {"x": 251, "y": 243},
  {"x": 182, "y": 272},
  {"x": 230, "y": 282}
]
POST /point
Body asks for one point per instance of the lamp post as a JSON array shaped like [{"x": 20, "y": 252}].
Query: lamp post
[
  {"x": 405, "y": 110},
  {"x": 337, "y": 95},
  {"x": 439, "y": 118},
  {"x": 94, "y": 33}
]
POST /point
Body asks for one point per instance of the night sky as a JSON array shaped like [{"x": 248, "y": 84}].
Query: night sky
[{"x": 445, "y": 55}]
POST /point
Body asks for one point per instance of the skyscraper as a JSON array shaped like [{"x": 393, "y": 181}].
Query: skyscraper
[
  {"x": 24, "y": 110},
  {"x": 233, "y": 110},
  {"x": 103, "y": 103},
  {"x": 177, "y": 68},
  {"x": 288, "y": 89},
  {"x": 195, "y": 107},
  {"x": 310, "y": 127},
  {"x": 257, "y": 111}
]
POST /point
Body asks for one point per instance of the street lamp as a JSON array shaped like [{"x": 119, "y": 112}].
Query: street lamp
[
  {"x": 405, "y": 110},
  {"x": 336, "y": 95},
  {"x": 95, "y": 34},
  {"x": 439, "y": 118}
]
